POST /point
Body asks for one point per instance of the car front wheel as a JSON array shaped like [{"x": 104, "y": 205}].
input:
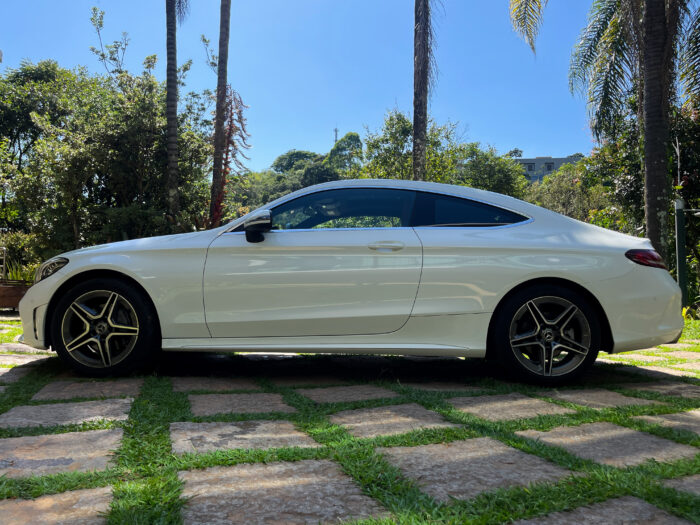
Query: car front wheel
[
  {"x": 547, "y": 334},
  {"x": 103, "y": 327}
]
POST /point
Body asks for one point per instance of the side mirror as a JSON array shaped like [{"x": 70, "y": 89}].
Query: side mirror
[{"x": 258, "y": 224}]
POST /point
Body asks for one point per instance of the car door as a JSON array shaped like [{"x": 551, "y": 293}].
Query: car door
[{"x": 337, "y": 262}]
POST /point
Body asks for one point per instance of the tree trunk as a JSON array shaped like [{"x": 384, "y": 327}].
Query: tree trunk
[
  {"x": 656, "y": 126},
  {"x": 421, "y": 78},
  {"x": 218, "y": 180},
  {"x": 172, "y": 181}
]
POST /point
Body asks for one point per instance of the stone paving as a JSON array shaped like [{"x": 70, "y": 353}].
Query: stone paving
[
  {"x": 465, "y": 469},
  {"x": 213, "y": 384},
  {"x": 625, "y": 510},
  {"x": 666, "y": 388},
  {"x": 208, "y": 437},
  {"x": 310, "y": 491},
  {"x": 612, "y": 444},
  {"x": 69, "y": 452},
  {"x": 641, "y": 357},
  {"x": 388, "y": 420},
  {"x": 507, "y": 406},
  {"x": 686, "y": 484},
  {"x": 66, "y": 413},
  {"x": 21, "y": 359},
  {"x": 12, "y": 375},
  {"x": 680, "y": 354},
  {"x": 596, "y": 398},
  {"x": 341, "y": 394},
  {"x": 61, "y": 390},
  {"x": 689, "y": 421},
  {"x": 210, "y": 404},
  {"x": 276, "y": 483},
  {"x": 77, "y": 507},
  {"x": 695, "y": 366}
]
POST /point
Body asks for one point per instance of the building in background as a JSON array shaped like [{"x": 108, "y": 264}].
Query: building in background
[{"x": 536, "y": 169}]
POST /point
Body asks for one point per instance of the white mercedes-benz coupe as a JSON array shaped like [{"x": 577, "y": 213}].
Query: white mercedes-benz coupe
[{"x": 363, "y": 266}]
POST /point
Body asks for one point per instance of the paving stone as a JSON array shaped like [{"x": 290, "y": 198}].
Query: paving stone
[
  {"x": 76, "y": 507},
  {"x": 307, "y": 381},
  {"x": 690, "y": 365},
  {"x": 309, "y": 491},
  {"x": 207, "y": 437},
  {"x": 506, "y": 407},
  {"x": 642, "y": 357},
  {"x": 23, "y": 349},
  {"x": 389, "y": 420},
  {"x": 66, "y": 413},
  {"x": 12, "y": 375},
  {"x": 22, "y": 359},
  {"x": 210, "y": 404},
  {"x": 437, "y": 386},
  {"x": 685, "y": 484},
  {"x": 70, "y": 452},
  {"x": 215, "y": 384},
  {"x": 683, "y": 355},
  {"x": 666, "y": 388},
  {"x": 596, "y": 398},
  {"x": 677, "y": 346},
  {"x": 625, "y": 510},
  {"x": 689, "y": 421},
  {"x": 72, "y": 389},
  {"x": 658, "y": 372},
  {"x": 611, "y": 444},
  {"x": 464, "y": 469},
  {"x": 340, "y": 394}
]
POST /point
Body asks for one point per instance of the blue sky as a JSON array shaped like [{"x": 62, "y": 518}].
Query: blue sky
[{"x": 305, "y": 67}]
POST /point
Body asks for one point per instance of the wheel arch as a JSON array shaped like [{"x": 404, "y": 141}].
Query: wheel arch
[
  {"x": 606, "y": 338},
  {"x": 91, "y": 274}
]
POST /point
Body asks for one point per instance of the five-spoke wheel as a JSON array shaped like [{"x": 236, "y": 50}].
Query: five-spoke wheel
[
  {"x": 548, "y": 334},
  {"x": 104, "y": 326}
]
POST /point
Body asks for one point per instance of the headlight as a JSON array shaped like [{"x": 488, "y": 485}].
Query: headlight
[{"x": 49, "y": 268}]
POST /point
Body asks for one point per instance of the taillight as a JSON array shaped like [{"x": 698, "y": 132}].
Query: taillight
[{"x": 646, "y": 258}]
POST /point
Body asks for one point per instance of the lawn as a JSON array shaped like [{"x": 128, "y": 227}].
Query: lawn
[{"x": 144, "y": 474}]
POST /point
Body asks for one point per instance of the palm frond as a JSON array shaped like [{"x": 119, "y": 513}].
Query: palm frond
[
  {"x": 610, "y": 78},
  {"x": 182, "y": 9},
  {"x": 526, "y": 17},
  {"x": 585, "y": 51},
  {"x": 690, "y": 57}
]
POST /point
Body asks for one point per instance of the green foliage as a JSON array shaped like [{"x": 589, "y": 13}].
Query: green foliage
[{"x": 15, "y": 271}]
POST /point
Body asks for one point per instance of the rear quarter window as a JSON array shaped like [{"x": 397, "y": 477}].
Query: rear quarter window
[{"x": 432, "y": 209}]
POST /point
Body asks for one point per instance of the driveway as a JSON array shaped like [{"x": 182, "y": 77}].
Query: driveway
[{"x": 309, "y": 439}]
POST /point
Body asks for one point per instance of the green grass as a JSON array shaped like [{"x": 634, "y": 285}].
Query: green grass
[{"x": 144, "y": 473}]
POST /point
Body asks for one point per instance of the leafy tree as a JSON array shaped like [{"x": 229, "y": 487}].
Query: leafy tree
[
  {"x": 486, "y": 170},
  {"x": 632, "y": 45},
  {"x": 294, "y": 160}
]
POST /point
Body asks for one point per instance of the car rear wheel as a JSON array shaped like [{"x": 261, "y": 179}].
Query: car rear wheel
[
  {"x": 103, "y": 327},
  {"x": 546, "y": 334}
]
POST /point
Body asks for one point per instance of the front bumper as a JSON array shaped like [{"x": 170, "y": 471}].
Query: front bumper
[{"x": 32, "y": 311}]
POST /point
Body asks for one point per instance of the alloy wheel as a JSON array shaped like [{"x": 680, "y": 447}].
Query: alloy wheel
[
  {"x": 550, "y": 336},
  {"x": 99, "y": 329}
]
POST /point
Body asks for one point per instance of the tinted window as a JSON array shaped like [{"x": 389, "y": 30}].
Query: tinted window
[
  {"x": 442, "y": 210},
  {"x": 346, "y": 208}
]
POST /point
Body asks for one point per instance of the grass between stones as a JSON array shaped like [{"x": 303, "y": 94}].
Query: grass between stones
[{"x": 146, "y": 488}]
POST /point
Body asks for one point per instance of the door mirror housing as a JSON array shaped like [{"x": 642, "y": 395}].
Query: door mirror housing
[{"x": 255, "y": 226}]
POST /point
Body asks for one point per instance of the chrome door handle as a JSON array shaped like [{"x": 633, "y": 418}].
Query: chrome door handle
[{"x": 386, "y": 246}]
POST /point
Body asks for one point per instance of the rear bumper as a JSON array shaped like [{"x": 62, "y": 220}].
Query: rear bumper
[{"x": 643, "y": 308}]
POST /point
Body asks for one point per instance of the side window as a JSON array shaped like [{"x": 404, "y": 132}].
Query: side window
[
  {"x": 443, "y": 210},
  {"x": 346, "y": 208}
]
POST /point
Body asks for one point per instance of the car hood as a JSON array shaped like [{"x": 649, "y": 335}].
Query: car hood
[{"x": 150, "y": 243}]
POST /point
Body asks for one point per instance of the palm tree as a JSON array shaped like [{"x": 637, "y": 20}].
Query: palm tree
[
  {"x": 422, "y": 76},
  {"x": 631, "y": 44},
  {"x": 217, "y": 182},
  {"x": 175, "y": 10}
]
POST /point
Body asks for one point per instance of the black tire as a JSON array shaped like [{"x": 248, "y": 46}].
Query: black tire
[
  {"x": 104, "y": 327},
  {"x": 529, "y": 343}
]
